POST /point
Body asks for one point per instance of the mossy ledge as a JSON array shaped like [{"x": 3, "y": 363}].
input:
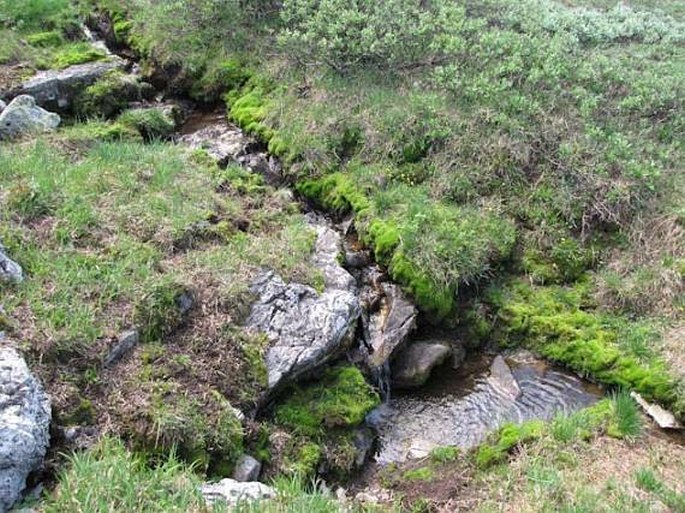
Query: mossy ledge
[
  {"x": 468, "y": 242},
  {"x": 558, "y": 323}
]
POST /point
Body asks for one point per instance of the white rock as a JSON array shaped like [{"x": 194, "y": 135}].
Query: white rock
[
  {"x": 664, "y": 418},
  {"x": 233, "y": 492},
  {"x": 24, "y": 425}
]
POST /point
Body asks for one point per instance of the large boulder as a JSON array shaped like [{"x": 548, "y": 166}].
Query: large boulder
[
  {"x": 24, "y": 425},
  {"x": 56, "y": 90},
  {"x": 9, "y": 269},
  {"x": 413, "y": 365},
  {"x": 23, "y": 116},
  {"x": 305, "y": 328},
  {"x": 233, "y": 492}
]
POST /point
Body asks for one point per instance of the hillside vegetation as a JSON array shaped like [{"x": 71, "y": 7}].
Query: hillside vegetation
[{"x": 516, "y": 166}]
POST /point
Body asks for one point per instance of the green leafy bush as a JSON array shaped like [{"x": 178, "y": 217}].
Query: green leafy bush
[{"x": 390, "y": 34}]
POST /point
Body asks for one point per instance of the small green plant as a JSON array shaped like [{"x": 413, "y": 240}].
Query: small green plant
[
  {"x": 419, "y": 474},
  {"x": 159, "y": 310},
  {"x": 444, "y": 454},
  {"x": 152, "y": 123}
]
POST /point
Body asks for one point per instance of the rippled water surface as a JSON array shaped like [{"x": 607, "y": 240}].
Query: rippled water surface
[{"x": 461, "y": 407}]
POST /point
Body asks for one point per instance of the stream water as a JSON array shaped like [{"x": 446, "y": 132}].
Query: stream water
[
  {"x": 457, "y": 407},
  {"x": 460, "y": 407}
]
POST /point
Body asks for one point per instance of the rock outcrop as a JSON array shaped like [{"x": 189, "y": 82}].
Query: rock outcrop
[
  {"x": 56, "y": 90},
  {"x": 9, "y": 269},
  {"x": 413, "y": 365},
  {"x": 23, "y": 116},
  {"x": 390, "y": 326},
  {"x": 233, "y": 492},
  {"x": 305, "y": 328},
  {"x": 24, "y": 425}
]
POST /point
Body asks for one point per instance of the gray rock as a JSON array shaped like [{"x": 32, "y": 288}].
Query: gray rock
[
  {"x": 391, "y": 325},
  {"x": 247, "y": 469},
  {"x": 458, "y": 355},
  {"x": 413, "y": 364},
  {"x": 233, "y": 492},
  {"x": 24, "y": 425},
  {"x": 223, "y": 142},
  {"x": 305, "y": 328},
  {"x": 2, "y": 105},
  {"x": 9, "y": 269},
  {"x": 125, "y": 342},
  {"x": 56, "y": 90},
  {"x": 502, "y": 379},
  {"x": 23, "y": 116}
]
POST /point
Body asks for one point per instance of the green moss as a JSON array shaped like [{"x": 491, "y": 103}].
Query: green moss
[
  {"x": 341, "y": 398},
  {"x": 109, "y": 95},
  {"x": 152, "y": 123},
  {"x": 505, "y": 439},
  {"x": 444, "y": 454},
  {"x": 419, "y": 474},
  {"x": 75, "y": 53},
  {"x": 220, "y": 77},
  {"x": 248, "y": 107},
  {"x": 303, "y": 459},
  {"x": 206, "y": 433},
  {"x": 158, "y": 312},
  {"x": 48, "y": 39},
  {"x": 82, "y": 414},
  {"x": 552, "y": 322}
]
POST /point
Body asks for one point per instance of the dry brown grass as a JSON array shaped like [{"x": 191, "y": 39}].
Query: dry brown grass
[{"x": 645, "y": 278}]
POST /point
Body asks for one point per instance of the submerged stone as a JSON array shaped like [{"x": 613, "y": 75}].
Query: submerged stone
[{"x": 414, "y": 364}]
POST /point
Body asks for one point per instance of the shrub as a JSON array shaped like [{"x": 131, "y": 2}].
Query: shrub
[{"x": 390, "y": 34}]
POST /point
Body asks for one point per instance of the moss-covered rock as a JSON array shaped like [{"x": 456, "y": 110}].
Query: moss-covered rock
[
  {"x": 322, "y": 417},
  {"x": 109, "y": 95},
  {"x": 152, "y": 123}
]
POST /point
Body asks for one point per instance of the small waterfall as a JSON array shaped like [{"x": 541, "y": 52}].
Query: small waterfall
[{"x": 381, "y": 376}]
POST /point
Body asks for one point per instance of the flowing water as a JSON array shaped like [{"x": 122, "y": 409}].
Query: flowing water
[
  {"x": 459, "y": 408},
  {"x": 455, "y": 407}
]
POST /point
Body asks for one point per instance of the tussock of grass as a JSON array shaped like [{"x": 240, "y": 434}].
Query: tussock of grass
[{"x": 109, "y": 478}]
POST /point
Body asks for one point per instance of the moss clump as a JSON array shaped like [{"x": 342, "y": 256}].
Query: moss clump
[
  {"x": 82, "y": 414},
  {"x": 322, "y": 417},
  {"x": 108, "y": 96},
  {"x": 205, "y": 431},
  {"x": 506, "y": 438},
  {"x": 342, "y": 398},
  {"x": 49, "y": 39},
  {"x": 552, "y": 322},
  {"x": 419, "y": 474},
  {"x": 220, "y": 76},
  {"x": 160, "y": 310},
  {"x": 248, "y": 107},
  {"x": 153, "y": 123},
  {"x": 75, "y": 53},
  {"x": 564, "y": 262}
]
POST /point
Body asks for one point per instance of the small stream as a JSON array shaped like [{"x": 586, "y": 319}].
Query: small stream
[
  {"x": 461, "y": 407},
  {"x": 455, "y": 407}
]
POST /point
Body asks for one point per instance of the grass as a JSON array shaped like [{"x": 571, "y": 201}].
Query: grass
[{"x": 110, "y": 235}]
